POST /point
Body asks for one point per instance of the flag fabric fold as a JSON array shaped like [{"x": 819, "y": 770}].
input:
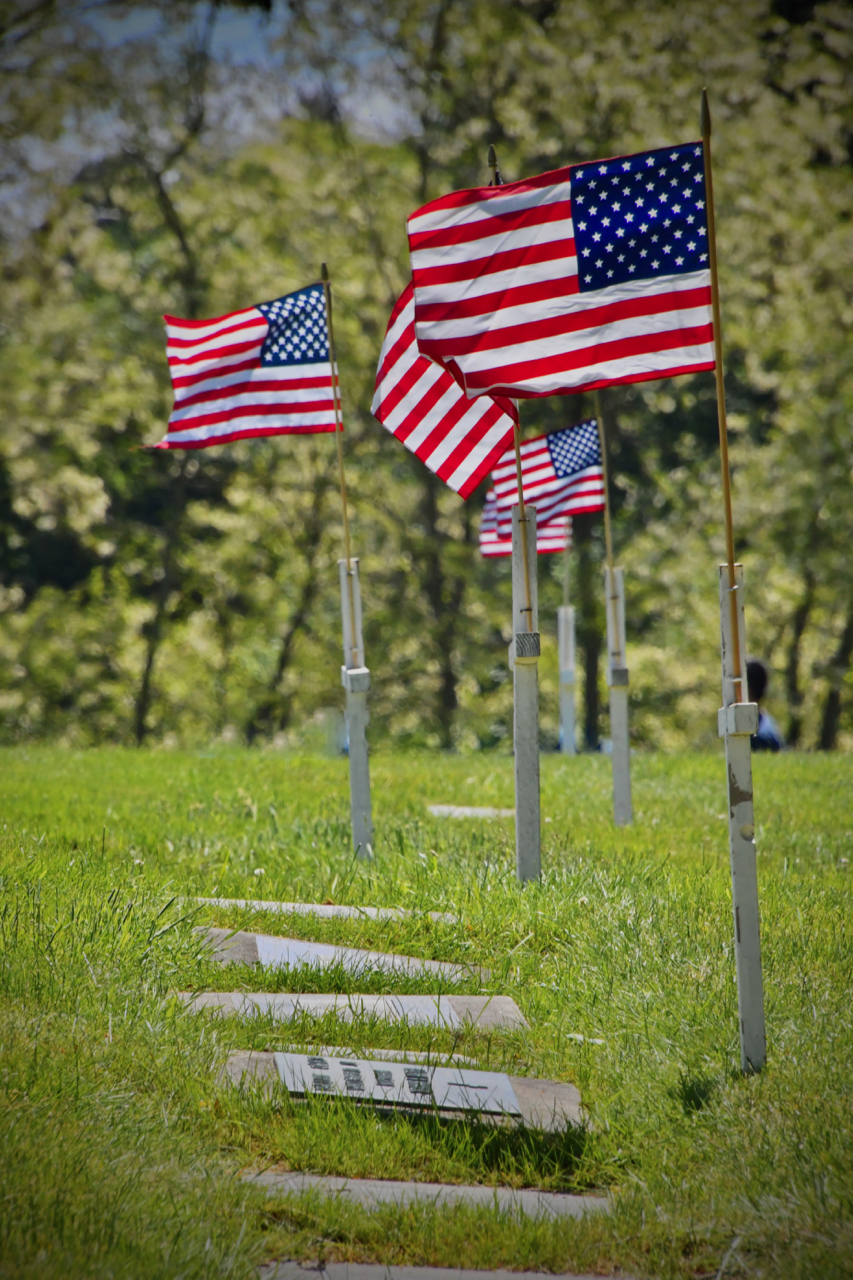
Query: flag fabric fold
[
  {"x": 561, "y": 474},
  {"x": 588, "y": 276},
  {"x": 421, "y": 404},
  {"x": 264, "y": 371},
  {"x": 556, "y": 535}
]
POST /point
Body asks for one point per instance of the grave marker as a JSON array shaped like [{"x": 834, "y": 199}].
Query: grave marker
[
  {"x": 231, "y": 946},
  {"x": 451, "y": 1012}
]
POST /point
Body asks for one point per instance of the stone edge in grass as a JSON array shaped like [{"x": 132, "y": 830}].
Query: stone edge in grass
[
  {"x": 286, "y": 1270},
  {"x": 548, "y": 1105},
  {"x": 230, "y": 946},
  {"x": 369, "y": 1193},
  {"x": 482, "y": 1012}
]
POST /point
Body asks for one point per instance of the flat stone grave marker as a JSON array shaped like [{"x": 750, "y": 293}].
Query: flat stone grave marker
[
  {"x": 326, "y": 910},
  {"x": 503, "y": 1197},
  {"x": 543, "y": 1104},
  {"x": 230, "y": 947},
  {"x": 451, "y": 1012},
  {"x": 467, "y": 811},
  {"x": 398, "y": 1084}
]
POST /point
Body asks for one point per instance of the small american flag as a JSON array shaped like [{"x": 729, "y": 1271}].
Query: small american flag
[
  {"x": 420, "y": 403},
  {"x": 561, "y": 474},
  {"x": 591, "y": 275},
  {"x": 264, "y": 371},
  {"x": 554, "y": 536}
]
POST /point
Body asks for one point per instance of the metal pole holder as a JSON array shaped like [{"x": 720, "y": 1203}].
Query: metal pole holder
[
  {"x": 617, "y": 682},
  {"x": 566, "y": 651},
  {"x": 737, "y": 720},
  {"x": 355, "y": 678},
  {"x": 524, "y": 664}
]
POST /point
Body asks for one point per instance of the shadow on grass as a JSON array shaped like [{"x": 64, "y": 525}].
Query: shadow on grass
[{"x": 694, "y": 1092}]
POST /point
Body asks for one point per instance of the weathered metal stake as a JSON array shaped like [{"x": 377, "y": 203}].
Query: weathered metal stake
[
  {"x": 617, "y": 680},
  {"x": 524, "y": 663},
  {"x": 736, "y": 721},
  {"x": 355, "y": 677},
  {"x": 566, "y": 651}
]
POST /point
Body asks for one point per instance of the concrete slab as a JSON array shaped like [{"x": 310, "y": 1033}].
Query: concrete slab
[
  {"x": 467, "y": 811},
  {"x": 370, "y": 1192},
  {"x": 483, "y": 1012},
  {"x": 230, "y": 947},
  {"x": 326, "y": 910},
  {"x": 549, "y": 1105},
  {"x": 384, "y": 1271}
]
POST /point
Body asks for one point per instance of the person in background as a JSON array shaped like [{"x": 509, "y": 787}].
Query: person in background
[{"x": 768, "y": 737}]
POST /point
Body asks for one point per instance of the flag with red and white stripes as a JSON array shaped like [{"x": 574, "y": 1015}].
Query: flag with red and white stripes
[
  {"x": 556, "y": 535},
  {"x": 421, "y": 404},
  {"x": 584, "y": 277},
  {"x": 561, "y": 474},
  {"x": 265, "y": 371}
]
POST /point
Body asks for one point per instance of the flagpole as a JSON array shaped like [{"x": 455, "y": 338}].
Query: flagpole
[
  {"x": 617, "y": 665},
  {"x": 608, "y": 533},
  {"x": 355, "y": 675},
  {"x": 722, "y": 424},
  {"x": 524, "y": 663},
  {"x": 497, "y": 181},
  {"x": 339, "y": 426},
  {"x": 737, "y": 719}
]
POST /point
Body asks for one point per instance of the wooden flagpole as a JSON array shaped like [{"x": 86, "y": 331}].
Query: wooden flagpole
[
  {"x": 524, "y": 662},
  {"x": 497, "y": 181},
  {"x": 336, "y": 396},
  {"x": 617, "y": 666},
  {"x": 722, "y": 423},
  {"x": 355, "y": 675},
  {"x": 737, "y": 719}
]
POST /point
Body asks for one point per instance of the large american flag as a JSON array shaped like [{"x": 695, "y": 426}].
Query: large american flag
[
  {"x": 561, "y": 474},
  {"x": 587, "y": 276},
  {"x": 421, "y": 404},
  {"x": 556, "y": 535},
  {"x": 265, "y": 371}
]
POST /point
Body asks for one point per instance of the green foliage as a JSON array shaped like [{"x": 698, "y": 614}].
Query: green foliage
[{"x": 187, "y": 598}]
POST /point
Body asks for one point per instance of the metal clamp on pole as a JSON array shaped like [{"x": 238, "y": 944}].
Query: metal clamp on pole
[{"x": 527, "y": 648}]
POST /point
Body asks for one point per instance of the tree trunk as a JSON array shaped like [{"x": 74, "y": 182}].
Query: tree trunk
[
  {"x": 794, "y": 693},
  {"x": 274, "y": 709},
  {"x": 445, "y": 596},
  {"x": 589, "y": 623},
  {"x": 838, "y": 669}
]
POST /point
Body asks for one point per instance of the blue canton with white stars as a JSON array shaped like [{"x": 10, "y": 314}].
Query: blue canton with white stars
[
  {"x": 640, "y": 217},
  {"x": 575, "y": 448},
  {"x": 298, "y": 332}
]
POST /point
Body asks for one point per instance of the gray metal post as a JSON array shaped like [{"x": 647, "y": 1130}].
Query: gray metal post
[
  {"x": 736, "y": 721},
  {"x": 566, "y": 651},
  {"x": 617, "y": 680},
  {"x": 524, "y": 662},
  {"x": 355, "y": 678}
]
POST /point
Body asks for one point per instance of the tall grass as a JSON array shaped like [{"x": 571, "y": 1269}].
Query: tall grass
[{"x": 120, "y": 1148}]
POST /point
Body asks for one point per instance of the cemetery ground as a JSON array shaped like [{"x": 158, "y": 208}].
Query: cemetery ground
[{"x": 122, "y": 1148}]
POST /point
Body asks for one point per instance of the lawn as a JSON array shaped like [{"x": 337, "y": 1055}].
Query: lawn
[{"x": 120, "y": 1151}]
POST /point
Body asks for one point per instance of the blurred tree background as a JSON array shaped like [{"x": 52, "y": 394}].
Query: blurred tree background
[{"x": 196, "y": 158}]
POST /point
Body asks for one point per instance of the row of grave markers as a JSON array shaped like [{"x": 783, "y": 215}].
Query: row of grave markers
[{"x": 450, "y": 239}]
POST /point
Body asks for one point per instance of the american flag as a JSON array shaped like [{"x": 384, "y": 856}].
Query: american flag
[
  {"x": 420, "y": 403},
  {"x": 587, "y": 276},
  {"x": 556, "y": 535},
  {"x": 264, "y": 371},
  {"x": 561, "y": 474}
]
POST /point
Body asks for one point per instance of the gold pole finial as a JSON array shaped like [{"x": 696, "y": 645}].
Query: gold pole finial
[
  {"x": 705, "y": 116},
  {"x": 324, "y": 273},
  {"x": 493, "y": 165}
]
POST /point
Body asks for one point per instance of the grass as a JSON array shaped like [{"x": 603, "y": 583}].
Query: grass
[{"x": 120, "y": 1150}]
